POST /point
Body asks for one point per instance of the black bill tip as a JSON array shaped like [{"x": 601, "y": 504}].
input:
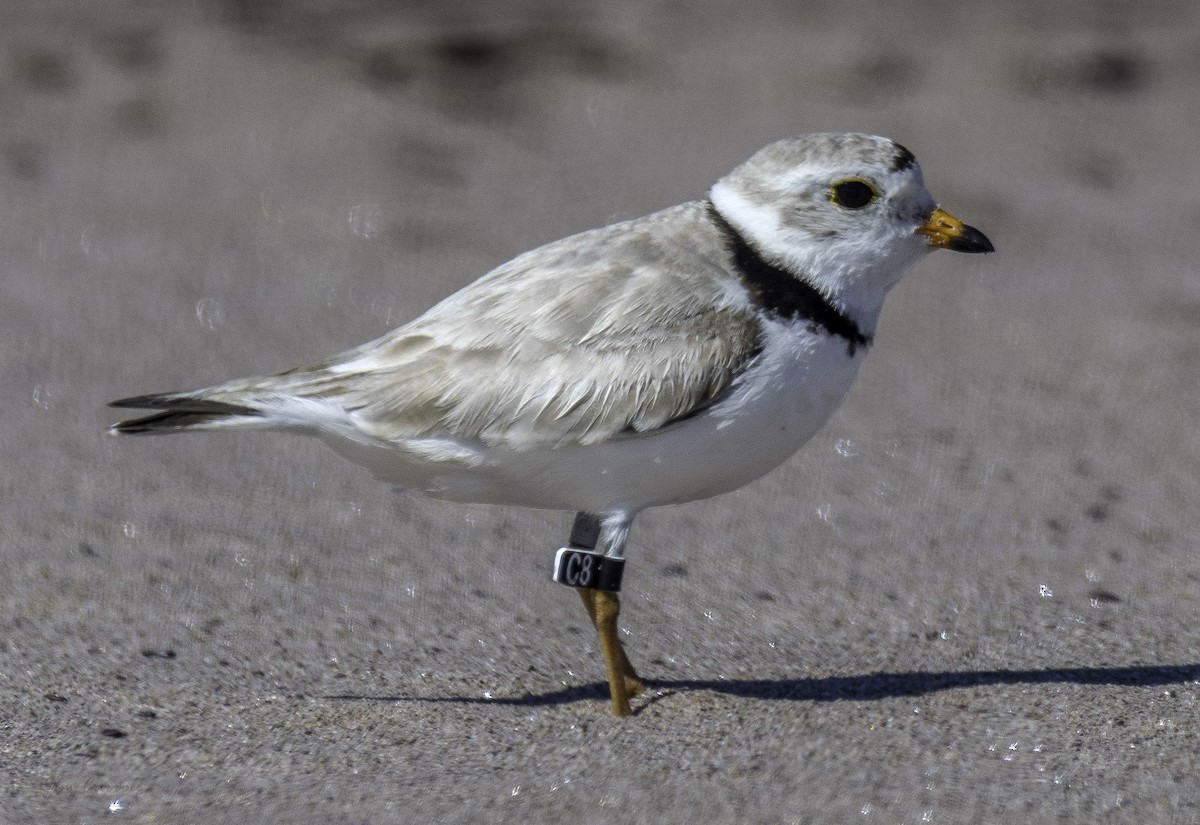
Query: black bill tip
[{"x": 970, "y": 240}]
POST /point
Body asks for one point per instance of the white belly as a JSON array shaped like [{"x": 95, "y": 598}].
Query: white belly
[{"x": 797, "y": 382}]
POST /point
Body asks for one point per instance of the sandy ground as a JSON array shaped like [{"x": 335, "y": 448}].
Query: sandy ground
[{"x": 972, "y": 598}]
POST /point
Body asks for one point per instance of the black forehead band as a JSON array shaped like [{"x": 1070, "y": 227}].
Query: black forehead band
[{"x": 904, "y": 159}]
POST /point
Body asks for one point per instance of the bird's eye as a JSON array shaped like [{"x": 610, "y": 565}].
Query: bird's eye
[{"x": 852, "y": 194}]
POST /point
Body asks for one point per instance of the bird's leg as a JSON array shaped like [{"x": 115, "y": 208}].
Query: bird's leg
[
  {"x": 604, "y": 606},
  {"x": 608, "y": 611},
  {"x": 623, "y": 681}
]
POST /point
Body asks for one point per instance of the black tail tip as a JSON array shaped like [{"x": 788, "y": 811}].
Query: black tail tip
[{"x": 176, "y": 412}]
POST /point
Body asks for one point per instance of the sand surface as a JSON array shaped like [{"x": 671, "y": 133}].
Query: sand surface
[{"x": 974, "y": 597}]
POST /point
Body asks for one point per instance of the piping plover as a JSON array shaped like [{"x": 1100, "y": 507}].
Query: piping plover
[{"x": 655, "y": 361}]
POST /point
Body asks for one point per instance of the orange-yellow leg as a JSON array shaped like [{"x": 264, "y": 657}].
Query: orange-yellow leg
[{"x": 603, "y": 607}]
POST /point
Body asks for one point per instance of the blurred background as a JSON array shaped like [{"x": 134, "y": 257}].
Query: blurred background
[{"x": 973, "y": 595}]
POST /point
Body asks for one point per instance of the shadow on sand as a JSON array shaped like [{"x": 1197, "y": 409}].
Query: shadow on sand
[{"x": 845, "y": 688}]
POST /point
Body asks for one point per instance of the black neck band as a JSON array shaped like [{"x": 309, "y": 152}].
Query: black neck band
[{"x": 781, "y": 293}]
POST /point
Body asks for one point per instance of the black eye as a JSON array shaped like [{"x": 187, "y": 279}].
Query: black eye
[{"x": 852, "y": 194}]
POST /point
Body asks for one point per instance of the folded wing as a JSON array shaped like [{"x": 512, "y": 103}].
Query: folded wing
[{"x": 620, "y": 330}]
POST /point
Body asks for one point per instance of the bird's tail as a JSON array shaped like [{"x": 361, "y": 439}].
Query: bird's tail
[{"x": 181, "y": 411}]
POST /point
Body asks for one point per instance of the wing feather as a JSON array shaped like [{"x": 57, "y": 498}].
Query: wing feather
[{"x": 623, "y": 329}]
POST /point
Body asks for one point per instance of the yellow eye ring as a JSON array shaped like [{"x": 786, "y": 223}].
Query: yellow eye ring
[{"x": 853, "y": 193}]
